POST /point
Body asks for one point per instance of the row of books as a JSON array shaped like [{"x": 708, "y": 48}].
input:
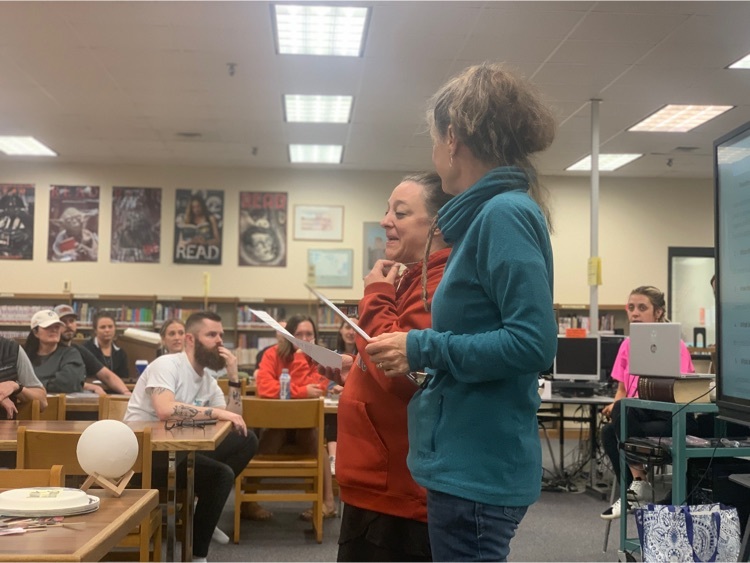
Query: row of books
[
  {"x": 606, "y": 322},
  {"x": 166, "y": 312},
  {"x": 134, "y": 316},
  {"x": 327, "y": 318},
  {"x": 20, "y": 314},
  {"x": 246, "y": 318},
  {"x": 14, "y": 334}
]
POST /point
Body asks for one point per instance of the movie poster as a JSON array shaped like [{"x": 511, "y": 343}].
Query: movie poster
[
  {"x": 16, "y": 221},
  {"x": 263, "y": 228},
  {"x": 73, "y": 224},
  {"x": 199, "y": 219},
  {"x": 136, "y": 225}
]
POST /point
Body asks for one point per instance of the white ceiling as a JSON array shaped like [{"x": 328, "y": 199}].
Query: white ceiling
[{"x": 115, "y": 82}]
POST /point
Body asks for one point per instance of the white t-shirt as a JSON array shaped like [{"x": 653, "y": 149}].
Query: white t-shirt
[{"x": 173, "y": 372}]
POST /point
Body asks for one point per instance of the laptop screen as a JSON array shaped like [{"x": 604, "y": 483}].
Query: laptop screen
[{"x": 655, "y": 349}]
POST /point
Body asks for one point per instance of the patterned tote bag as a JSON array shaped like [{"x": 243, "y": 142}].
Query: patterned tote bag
[{"x": 704, "y": 532}]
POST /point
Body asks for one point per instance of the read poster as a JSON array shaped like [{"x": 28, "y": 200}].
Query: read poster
[
  {"x": 16, "y": 221},
  {"x": 263, "y": 221},
  {"x": 136, "y": 225},
  {"x": 199, "y": 219},
  {"x": 73, "y": 224}
]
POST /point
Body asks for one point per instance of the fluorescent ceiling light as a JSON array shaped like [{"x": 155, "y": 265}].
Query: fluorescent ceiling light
[
  {"x": 24, "y": 146},
  {"x": 320, "y": 30},
  {"x": 730, "y": 155},
  {"x": 328, "y": 154},
  {"x": 607, "y": 162},
  {"x": 317, "y": 109},
  {"x": 743, "y": 63},
  {"x": 679, "y": 119}
]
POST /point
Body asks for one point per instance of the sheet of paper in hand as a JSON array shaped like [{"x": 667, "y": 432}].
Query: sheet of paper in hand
[{"x": 324, "y": 356}]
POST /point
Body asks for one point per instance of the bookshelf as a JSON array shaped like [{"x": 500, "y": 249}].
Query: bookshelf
[
  {"x": 611, "y": 317},
  {"x": 16, "y": 310},
  {"x": 148, "y": 312},
  {"x": 129, "y": 311}
]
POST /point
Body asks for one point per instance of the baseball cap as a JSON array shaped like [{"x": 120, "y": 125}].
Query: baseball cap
[
  {"x": 65, "y": 311},
  {"x": 45, "y": 318}
]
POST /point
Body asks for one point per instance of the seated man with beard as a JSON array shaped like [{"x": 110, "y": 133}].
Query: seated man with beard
[{"x": 175, "y": 387}]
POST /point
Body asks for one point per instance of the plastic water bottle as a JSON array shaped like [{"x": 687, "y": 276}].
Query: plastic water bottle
[{"x": 284, "y": 390}]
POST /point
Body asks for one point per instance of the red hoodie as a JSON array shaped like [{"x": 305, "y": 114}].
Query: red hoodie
[
  {"x": 372, "y": 434},
  {"x": 302, "y": 372}
]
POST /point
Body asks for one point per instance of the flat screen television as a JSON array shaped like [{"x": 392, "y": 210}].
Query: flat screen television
[
  {"x": 577, "y": 359},
  {"x": 732, "y": 236}
]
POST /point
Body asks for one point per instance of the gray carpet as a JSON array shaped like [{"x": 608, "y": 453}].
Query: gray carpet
[{"x": 560, "y": 527}]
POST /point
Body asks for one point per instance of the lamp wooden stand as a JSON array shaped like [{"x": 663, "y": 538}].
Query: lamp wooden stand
[{"x": 116, "y": 487}]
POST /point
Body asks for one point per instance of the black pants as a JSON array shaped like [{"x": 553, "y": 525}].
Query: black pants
[
  {"x": 372, "y": 536},
  {"x": 641, "y": 423},
  {"x": 215, "y": 472}
]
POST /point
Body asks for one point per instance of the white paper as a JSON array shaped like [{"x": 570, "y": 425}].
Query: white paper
[
  {"x": 324, "y": 356},
  {"x": 340, "y": 313}
]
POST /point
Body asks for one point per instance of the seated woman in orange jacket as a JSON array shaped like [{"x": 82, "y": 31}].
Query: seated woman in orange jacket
[{"x": 305, "y": 383}]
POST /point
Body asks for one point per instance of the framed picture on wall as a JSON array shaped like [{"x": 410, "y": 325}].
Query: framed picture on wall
[
  {"x": 373, "y": 237},
  {"x": 330, "y": 267},
  {"x": 319, "y": 222}
]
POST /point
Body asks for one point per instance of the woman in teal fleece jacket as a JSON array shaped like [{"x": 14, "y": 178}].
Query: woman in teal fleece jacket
[{"x": 473, "y": 435}]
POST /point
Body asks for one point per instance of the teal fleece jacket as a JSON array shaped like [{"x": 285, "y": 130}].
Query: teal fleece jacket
[{"x": 473, "y": 429}]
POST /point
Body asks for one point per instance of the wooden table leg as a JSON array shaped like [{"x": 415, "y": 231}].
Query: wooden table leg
[
  {"x": 172, "y": 506},
  {"x": 187, "y": 548}
]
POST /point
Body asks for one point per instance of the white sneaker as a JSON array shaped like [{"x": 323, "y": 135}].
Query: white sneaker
[
  {"x": 199, "y": 559},
  {"x": 615, "y": 511},
  {"x": 332, "y": 461},
  {"x": 640, "y": 492},
  {"x": 219, "y": 537}
]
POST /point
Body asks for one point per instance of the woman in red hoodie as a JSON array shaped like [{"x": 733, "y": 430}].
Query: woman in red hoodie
[
  {"x": 305, "y": 383},
  {"x": 385, "y": 514}
]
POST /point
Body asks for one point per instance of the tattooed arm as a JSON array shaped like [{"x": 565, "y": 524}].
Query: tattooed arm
[{"x": 166, "y": 407}]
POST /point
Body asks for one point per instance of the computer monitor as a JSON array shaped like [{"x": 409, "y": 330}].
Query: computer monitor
[
  {"x": 577, "y": 359},
  {"x": 732, "y": 236},
  {"x": 609, "y": 347}
]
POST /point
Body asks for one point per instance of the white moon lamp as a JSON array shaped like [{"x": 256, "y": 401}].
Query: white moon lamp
[{"x": 107, "y": 451}]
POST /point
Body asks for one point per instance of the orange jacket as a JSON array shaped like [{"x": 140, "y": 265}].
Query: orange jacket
[
  {"x": 372, "y": 435},
  {"x": 302, "y": 372}
]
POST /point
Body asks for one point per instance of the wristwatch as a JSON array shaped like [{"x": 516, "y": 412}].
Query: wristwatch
[
  {"x": 234, "y": 384},
  {"x": 17, "y": 391}
]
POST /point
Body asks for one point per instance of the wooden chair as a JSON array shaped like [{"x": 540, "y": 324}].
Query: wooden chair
[
  {"x": 40, "y": 449},
  {"x": 292, "y": 477},
  {"x": 224, "y": 386},
  {"x": 20, "y": 478},
  {"x": 31, "y": 410},
  {"x": 113, "y": 408}
]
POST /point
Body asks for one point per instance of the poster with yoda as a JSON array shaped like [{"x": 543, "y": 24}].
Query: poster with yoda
[{"x": 73, "y": 224}]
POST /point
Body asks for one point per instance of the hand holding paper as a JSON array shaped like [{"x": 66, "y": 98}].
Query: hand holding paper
[{"x": 323, "y": 356}]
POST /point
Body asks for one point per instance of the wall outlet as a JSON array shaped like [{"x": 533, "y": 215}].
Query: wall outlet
[{"x": 66, "y": 286}]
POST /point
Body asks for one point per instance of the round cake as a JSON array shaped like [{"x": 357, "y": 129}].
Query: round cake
[{"x": 46, "y": 500}]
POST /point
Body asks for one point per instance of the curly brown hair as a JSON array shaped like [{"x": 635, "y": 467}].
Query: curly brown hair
[{"x": 499, "y": 116}]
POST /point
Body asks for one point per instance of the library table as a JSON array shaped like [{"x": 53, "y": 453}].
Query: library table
[
  {"x": 188, "y": 440},
  {"x": 105, "y": 527},
  {"x": 557, "y": 413},
  {"x": 84, "y": 402},
  {"x": 179, "y": 439}
]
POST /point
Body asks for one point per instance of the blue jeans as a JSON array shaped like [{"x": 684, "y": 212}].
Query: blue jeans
[{"x": 464, "y": 530}]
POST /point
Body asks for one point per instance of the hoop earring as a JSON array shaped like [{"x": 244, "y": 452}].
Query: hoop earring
[{"x": 450, "y": 162}]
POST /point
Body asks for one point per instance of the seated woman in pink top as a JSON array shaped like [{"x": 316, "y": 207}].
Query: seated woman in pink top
[{"x": 645, "y": 305}]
